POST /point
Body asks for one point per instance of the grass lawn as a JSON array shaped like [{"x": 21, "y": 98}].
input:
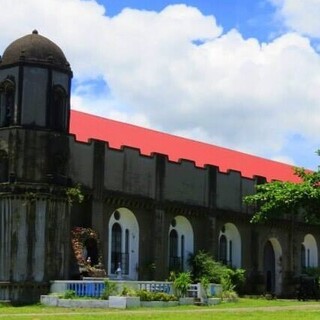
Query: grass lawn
[{"x": 244, "y": 309}]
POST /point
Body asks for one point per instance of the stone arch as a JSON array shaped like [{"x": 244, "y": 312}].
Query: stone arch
[
  {"x": 272, "y": 265},
  {"x": 123, "y": 244},
  {"x": 310, "y": 249},
  {"x": 180, "y": 228},
  {"x": 230, "y": 245}
]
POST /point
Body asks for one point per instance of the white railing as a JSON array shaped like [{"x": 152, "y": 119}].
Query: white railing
[
  {"x": 156, "y": 286},
  {"x": 194, "y": 291},
  {"x": 95, "y": 287}
]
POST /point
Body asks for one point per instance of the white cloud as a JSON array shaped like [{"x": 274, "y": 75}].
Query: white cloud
[
  {"x": 230, "y": 91},
  {"x": 300, "y": 15},
  {"x": 284, "y": 159}
]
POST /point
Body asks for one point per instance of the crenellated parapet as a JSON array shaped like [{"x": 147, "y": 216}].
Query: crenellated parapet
[{"x": 155, "y": 178}]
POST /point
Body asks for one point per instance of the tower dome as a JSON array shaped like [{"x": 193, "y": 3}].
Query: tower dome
[
  {"x": 35, "y": 49},
  {"x": 35, "y": 85}
]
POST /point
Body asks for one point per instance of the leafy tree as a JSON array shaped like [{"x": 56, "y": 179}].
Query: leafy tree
[{"x": 277, "y": 198}]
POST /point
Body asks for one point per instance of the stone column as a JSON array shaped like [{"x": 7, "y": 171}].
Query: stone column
[
  {"x": 160, "y": 245},
  {"x": 160, "y": 237}
]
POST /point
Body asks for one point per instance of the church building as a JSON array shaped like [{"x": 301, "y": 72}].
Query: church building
[{"x": 152, "y": 198}]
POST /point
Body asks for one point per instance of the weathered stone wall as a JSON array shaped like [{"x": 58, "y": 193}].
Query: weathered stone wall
[
  {"x": 127, "y": 172},
  {"x": 34, "y": 240},
  {"x": 130, "y": 172}
]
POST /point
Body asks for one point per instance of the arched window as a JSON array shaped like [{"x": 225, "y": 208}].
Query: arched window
[
  {"x": 230, "y": 245},
  {"x": 7, "y": 101},
  {"x": 57, "y": 114},
  {"x": 123, "y": 247},
  {"x": 116, "y": 245},
  {"x": 174, "y": 261},
  {"x": 181, "y": 245},
  {"x": 309, "y": 252},
  {"x": 223, "y": 249}
]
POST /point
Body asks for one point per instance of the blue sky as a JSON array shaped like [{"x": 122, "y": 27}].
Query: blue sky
[
  {"x": 242, "y": 74},
  {"x": 253, "y": 18}
]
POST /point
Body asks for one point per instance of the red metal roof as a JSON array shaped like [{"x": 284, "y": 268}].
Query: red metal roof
[{"x": 117, "y": 134}]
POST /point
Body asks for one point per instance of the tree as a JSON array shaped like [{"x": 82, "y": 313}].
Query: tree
[{"x": 277, "y": 198}]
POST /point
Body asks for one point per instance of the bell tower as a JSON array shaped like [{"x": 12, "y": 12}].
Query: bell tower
[{"x": 35, "y": 81}]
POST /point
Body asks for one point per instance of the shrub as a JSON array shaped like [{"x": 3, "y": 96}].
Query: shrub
[
  {"x": 110, "y": 288},
  {"x": 229, "y": 295},
  {"x": 69, "y": 294},
  {"x": 182, "y": 282},
  {"x": 128, "y": 292},
  {"x": 155, "y": 296},
  {"x": 312, "y": 272},
  {"x": 205, "y": 267}
]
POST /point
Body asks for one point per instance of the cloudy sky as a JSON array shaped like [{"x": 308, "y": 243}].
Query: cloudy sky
[{"x": 243, "y": 74}]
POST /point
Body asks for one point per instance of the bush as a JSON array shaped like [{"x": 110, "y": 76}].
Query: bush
[
  {"x": 182, "y": 282},
  {"x": 69, "y": 294},
  {"x": 110, "y": 288},
  {"x": 312, "y": 272},
  {"x": 229, "y": 295},
  {"x": 155, "y": 296},
  {"x": 128, "y": 292},
  {"x": 205, "y": 267}
]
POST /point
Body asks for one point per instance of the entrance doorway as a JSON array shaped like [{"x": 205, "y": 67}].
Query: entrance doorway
[{"x": 272, "y": 266}]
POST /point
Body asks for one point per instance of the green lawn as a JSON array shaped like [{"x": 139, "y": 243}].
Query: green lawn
[{"x": 244, "y": 309}]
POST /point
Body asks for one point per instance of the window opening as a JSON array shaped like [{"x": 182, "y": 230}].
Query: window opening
[
  {"x": 58, "y": 108},
  {"x": 174, "y": 261},
  {"x": 116, "y": 244},
  {"x": 182, "y": 252},
  {"x": 223, "y": 249},
  {"x": 230, "y": 253},
  {"x": 303, "y": 257},
  {"x": 125, "y": 257}
]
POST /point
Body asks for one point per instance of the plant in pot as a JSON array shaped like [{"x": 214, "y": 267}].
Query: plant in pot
[{"x": 181, "y": 285}]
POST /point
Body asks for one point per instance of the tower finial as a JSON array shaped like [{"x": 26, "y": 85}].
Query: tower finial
[{"x": 35, "y": 31}]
